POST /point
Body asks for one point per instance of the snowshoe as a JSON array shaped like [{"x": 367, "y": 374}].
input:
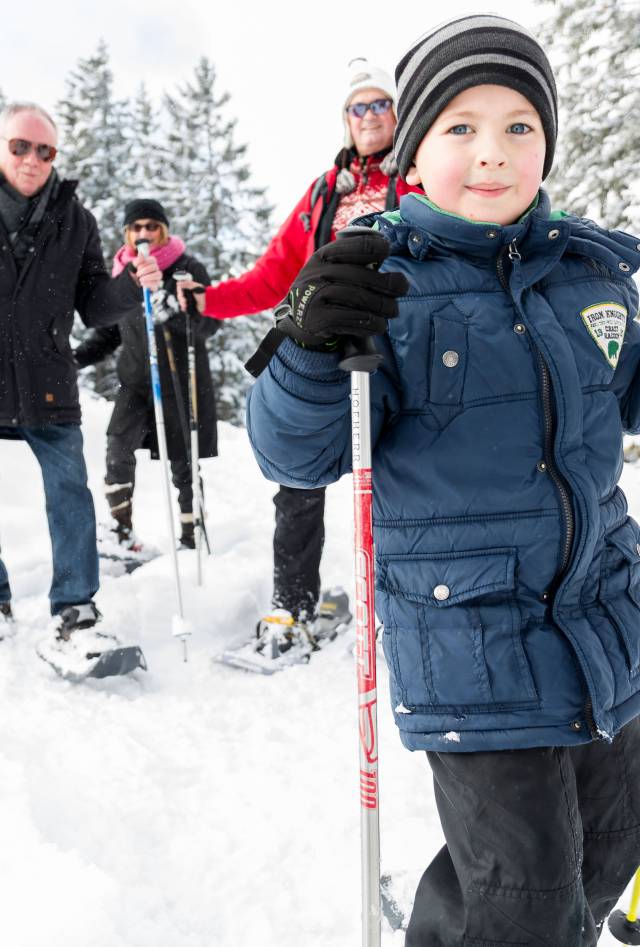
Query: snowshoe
[
  {"x": 7, "y": 624},
  {"x": 120, "y": 551},
  {"x": 391, "y": 898},
  {"x": 78, "y": 650},
  {"x": 282, "y": 641},
  {"x": 624, "y": 930}
]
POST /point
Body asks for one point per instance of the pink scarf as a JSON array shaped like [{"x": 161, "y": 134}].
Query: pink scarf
[{"x": 165, "y": 255}]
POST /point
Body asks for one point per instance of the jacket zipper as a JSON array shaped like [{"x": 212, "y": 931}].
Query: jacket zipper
[
  {"x": 562, "y": 489},
  {"x": 549, "y": 430}
]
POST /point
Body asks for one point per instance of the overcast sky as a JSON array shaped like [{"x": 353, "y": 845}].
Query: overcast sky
[{"x": 283, "y": 62}]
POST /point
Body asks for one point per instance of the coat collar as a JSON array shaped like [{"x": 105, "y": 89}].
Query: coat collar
[{"x": 422, "y": 230}]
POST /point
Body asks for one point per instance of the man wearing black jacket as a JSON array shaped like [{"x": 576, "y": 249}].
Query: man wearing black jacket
[{"x": 51, "y": 265}]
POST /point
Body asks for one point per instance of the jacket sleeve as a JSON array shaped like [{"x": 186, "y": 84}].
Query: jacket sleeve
[
  {"x": 96, "y": 347},
  {"x": 268, "y": 281},
  {"x": 99, "y": 299},
  {"x": 299, "y": 415}
]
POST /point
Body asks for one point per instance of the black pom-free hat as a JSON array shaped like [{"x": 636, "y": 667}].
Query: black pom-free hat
[{"x": 144, "y": 209}]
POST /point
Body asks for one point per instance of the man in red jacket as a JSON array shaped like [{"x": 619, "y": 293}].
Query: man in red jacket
[{"x": 363, "y": 180}]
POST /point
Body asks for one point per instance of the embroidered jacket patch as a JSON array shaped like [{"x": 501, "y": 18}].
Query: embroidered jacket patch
[{"x": 606, "y": 324}]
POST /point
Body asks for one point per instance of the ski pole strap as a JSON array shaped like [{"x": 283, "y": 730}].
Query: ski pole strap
[{"x": 265, "y": 352}]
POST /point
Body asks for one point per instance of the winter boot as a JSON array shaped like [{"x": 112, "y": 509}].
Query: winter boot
[
  {"x": 120, "y": 497},
  {"x": 73, "y": 617},
  {"x": 7, "y": 629},
  {"x": 187, "y": 537}
]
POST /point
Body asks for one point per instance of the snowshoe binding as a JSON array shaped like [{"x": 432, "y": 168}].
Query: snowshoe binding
[
  {"x": 282, "y": 640},
  {"x": 79, "y": 650},
  {"x": 120, "y": 551}
]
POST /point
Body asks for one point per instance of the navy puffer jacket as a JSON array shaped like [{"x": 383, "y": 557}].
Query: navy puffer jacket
[{"x": 508, "y": 571}]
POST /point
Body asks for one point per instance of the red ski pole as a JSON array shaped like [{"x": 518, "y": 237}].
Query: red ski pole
[{"x": 360, "y": 359}]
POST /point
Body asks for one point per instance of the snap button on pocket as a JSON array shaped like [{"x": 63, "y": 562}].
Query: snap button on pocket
[
  {"x": 441, "y": 592},
  {"x": 519, "y": 328},
  {"x": 553, "y": 234},
  {"x": 450, "y": 359}
]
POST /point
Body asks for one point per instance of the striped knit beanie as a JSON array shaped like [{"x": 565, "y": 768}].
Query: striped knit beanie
[{"x": 470, "y": 51}]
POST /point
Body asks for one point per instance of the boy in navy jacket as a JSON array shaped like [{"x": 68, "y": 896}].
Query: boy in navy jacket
[{"x": 507, "y": 569}]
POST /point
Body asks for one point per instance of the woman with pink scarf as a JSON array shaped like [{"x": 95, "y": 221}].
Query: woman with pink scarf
[{"x": 132, "y": 424}]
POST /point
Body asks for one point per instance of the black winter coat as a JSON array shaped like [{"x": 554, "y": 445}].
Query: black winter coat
[
  {"x": 65, "y": 271},
  {"x": 135, "y": 396}
]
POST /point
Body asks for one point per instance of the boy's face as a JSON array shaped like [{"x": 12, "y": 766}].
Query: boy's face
[{"x": 483, "y": 156}]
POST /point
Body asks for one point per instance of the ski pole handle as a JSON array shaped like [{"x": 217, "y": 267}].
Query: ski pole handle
[
  {"x": 358, "y": 355},
  {"x": 181, "y": 276}
]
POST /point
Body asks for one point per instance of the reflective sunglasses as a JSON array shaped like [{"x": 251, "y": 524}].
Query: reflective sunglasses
[
  {"x": 152, "y": 226},
  {"x": 21, "y": 147},
  {"x": 378, "y": 107}
]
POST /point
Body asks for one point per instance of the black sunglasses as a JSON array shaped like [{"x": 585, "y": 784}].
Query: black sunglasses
[
  {"x": 21, "y": 147},
  {"x": 378, "y": 107},
  {"x": 152, "y": 226}
]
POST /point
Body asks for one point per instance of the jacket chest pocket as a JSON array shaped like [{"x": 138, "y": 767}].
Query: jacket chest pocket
[
  {"x": 448, "y": 362},
  {"x": 620, "y": 588},
  {"x": 452, "y": 631}
]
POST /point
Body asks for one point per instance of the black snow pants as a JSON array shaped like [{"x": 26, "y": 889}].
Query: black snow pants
[
  {"x": 121, "y": 468},
  {"x": 297, "y": 549},
  {"x": 540, "y": 845}
]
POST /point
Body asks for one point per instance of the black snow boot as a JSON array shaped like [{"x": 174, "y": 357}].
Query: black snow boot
[
  {"x": 73, "y": 617},
  {"x": 120, "y": 497},
  {"x": 187, "y": 536}
]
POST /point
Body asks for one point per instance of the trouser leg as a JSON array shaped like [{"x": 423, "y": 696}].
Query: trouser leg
[
  {"x": 297, "y": 549},
  {"x": 70, "y": 512},
  {"x": 510, "y": 871},
  {"x": 181, "y": 477},
  {"x": 608, "y": 781}
]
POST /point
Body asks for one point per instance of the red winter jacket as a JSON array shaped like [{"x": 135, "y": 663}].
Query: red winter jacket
[{"x": 312, "y": 223}]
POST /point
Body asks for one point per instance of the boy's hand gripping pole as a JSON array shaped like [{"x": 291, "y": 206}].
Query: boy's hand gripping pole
[
  {"x": 360, "y": 358},
  {"x": 179, "y": 626}
]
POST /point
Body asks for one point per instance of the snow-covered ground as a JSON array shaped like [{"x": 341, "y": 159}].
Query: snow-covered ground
[{"x": 194, "y": 805}]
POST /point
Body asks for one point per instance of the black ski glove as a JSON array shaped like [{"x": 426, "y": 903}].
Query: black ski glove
[{"x": 339, "y": 292}]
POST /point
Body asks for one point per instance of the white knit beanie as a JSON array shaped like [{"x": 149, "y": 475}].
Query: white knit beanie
[{"x": 362, "y": 75}]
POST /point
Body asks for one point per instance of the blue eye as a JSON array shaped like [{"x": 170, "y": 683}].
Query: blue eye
[
  {"x": 519, "y": 128},
  {"x": 459, "y": 129}
]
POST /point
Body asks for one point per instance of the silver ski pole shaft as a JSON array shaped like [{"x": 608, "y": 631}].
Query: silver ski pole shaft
[
  {"x": 179, "y": 627},
  {"x": 360, "y": 358},
  {"x": 194, "y": 454}
]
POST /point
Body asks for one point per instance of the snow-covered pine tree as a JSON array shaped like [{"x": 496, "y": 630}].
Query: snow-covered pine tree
[
  {"x": 95, "y": 147},
  {"x": 94, "y": 152},
  {"x": 595, "y": 50},
  {"x": 143, "y": 170},
  {"x": 223, "y": 219}
]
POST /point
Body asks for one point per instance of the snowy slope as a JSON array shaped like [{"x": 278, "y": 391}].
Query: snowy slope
[{"x": 192, "y": 806}]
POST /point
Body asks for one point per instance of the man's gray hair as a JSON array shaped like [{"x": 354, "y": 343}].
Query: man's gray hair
[{"x": 14, "y": 108}]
